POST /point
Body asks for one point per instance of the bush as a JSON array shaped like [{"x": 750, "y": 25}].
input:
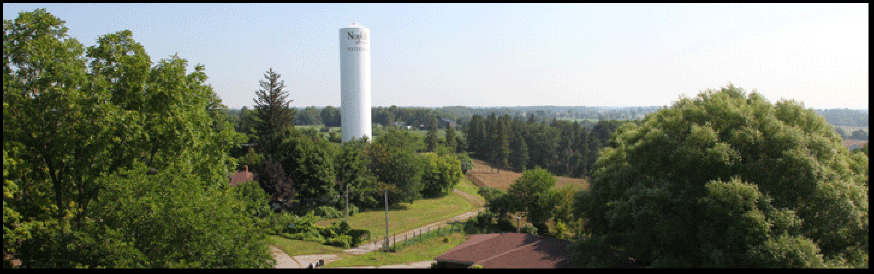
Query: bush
[
  {"x": 484, "y": 220},
  {"x": 466, "y": 162},
  {"x": 341, "y": 235},
  {"x": 277, "y": 223},
  {"x": 328, "y": 212},
  {"x": 302, "y": 228},
  {"x": 505, "y": 224},
  {"x": 344, "y": 241},
  {"x": 529, "y": 229},
  {"x": 359, "y": 235}
]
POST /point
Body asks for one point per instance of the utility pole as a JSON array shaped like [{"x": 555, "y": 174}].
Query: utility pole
[
  {"x": 347, "y": 203},
  {"x": 385, "y": 194}
]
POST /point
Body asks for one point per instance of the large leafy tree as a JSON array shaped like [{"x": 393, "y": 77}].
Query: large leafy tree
[
  {"x": 308, "y": 116},
  {"x": 728, "y": 179},
  {"x": 439, "y": 174},
  {"x": 330, "y": 116},
  {"x": 71, "y": 120},
  {"x": 533, "y": 194},
  {"x": 166, "y": 221},
  {"x": 394, "y": 163},
  {"x": 275, "y": 182},
  {"x": 352, "y": 172},
  {"x": 275, "y": 116},
  {"x": 309, "y": 163}
]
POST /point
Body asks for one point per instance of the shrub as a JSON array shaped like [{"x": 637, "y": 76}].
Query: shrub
[
  {"x": 505, "y": 224},
  {"x": 328, "y": 212},
  {"x": 344, "y": 241},
  {"x": 359, "y": 235},
  {"x": 529, "y": 229}
]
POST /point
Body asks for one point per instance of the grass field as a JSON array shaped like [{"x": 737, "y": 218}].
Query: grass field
[
  {"x": 425, "y": 251},
  {"x": 503, "y": 180},
  {"x": 401, "y": 219},
  {"x": 410, "y": 216},
  {"x": 853, "y": 144}
]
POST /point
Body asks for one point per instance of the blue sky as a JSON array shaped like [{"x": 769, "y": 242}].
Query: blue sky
[{"x": 506, "y": 54}]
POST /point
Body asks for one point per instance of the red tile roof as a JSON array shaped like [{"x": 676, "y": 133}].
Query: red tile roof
[{"x": 511, "y": 250}]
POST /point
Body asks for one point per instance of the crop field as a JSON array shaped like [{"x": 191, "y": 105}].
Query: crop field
[{"x": 481, "y": 174}]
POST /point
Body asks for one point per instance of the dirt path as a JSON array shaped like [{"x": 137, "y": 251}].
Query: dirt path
[{"x": 285, "y": 261}]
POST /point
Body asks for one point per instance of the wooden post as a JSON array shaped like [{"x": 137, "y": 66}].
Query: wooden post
[
  {"x": 347, "y": 203},
  {"x": 385, "y": 194}
]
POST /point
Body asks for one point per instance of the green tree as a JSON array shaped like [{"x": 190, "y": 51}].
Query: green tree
[
  {"x": 308, "y": 116},
  {"x": 352, "y": 171},
  {"x": 170, "y": 220},
  {"x": 440, "y": 174},
  {"x": 729, "y": 180},
  {"x": 431, "y": 137},
  {"x": 451, "y": 141},
  {"x": 502, "y": 146},
  {"x": 532, "y": 193},
  {"x": 400, "y": 140},
  {"x": 475, "y": 135},
  {"x": 275, "y": 116},
  {"x": 330, "y": 116},
  {"x": 310, "y": 165},
  {"x": 519, "y": 153},
  {"x": 397, "y": 170},
  {"x": 70, "y": 121},
  {"x": 248, "y": 120},
  {"x": 271, "y": 177}
]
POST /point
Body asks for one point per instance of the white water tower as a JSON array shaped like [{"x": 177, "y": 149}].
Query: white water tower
[{"x": 355, "y": 82}]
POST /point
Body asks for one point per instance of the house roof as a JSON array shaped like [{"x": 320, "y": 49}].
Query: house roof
[
  {"x": 242, "y": 177},
  {"x": 511, "y": 250}
]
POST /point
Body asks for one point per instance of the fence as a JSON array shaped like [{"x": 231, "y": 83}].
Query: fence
[
  {"x": 425, "y": 234},
  {"x": 476, "y": 181}
]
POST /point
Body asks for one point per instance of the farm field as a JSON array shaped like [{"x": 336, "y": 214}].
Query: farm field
[
  {"x": 853, "y": 144},
  {"x": 851, "y": 129},
  {"x": 481, "y": 173}
]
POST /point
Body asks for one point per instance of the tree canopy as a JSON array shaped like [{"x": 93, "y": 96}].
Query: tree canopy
[
  {"x": 728, "y": 179},
  {"x": 275, "y": 117},
  {"x": 81, "y": 133}
]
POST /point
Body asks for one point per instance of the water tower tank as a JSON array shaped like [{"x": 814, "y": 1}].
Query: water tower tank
[{"x": 355, "y": 82}]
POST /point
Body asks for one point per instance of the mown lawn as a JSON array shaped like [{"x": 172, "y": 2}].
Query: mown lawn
[
  {"x": 414, "y": 215},
  {"x": 425, "y": 251},
  {"x": 402, "y": 219}
]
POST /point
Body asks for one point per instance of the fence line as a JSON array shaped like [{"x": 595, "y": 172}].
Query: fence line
[{"x": 440, "y": 231}]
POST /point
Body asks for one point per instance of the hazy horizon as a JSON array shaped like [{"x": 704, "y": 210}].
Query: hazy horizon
[{"x": 494, "y": 55}]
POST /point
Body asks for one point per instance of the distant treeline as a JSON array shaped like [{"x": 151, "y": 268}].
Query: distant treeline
[
  {"x": 561, "y": 147},
  {"x": 419, "y": 117},
  {"x": 845, "y": 117}
]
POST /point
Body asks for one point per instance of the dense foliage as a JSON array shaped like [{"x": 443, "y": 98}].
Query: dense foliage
[
  {"x": 80, "y": 135},
  {"x": 275, "y": 116},
  {"x": 561, "y": 147},
  {"x": 728, "y": 179}
]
